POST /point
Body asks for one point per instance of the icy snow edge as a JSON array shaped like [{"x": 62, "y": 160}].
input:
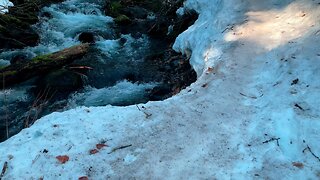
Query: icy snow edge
[
  {"x": 196, "y": 42},
  {"x": 4, "y": 6}
]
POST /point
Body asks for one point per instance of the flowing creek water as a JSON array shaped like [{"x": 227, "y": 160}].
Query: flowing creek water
[{"x": 116, "y": 71}]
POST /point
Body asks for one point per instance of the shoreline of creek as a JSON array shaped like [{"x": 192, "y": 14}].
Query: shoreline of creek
[{"x": 134, "y": 22}]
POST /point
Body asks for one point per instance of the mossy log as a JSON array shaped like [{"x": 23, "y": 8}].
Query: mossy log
[
  {"x": 15, "y": 26},
  {"x": 40, "y": 65}
]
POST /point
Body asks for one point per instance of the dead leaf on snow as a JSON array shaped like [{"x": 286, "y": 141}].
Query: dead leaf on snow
[
  {"x": 209, "y": 70},
  {"x": 298, "y": 165},
  {"x": 93, "y": 151},
  {"x": 63, "y": 159},
  {"x": 83, "y": 178},
  {"x": 205, "y": 85},
  {"x": 101, "y": 145}
]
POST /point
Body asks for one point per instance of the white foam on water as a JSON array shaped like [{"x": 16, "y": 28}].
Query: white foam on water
[
  {"x": 107, "y": 46},
  {"x": 123, "y": 92},
  {"x": 69, "y": 19}
]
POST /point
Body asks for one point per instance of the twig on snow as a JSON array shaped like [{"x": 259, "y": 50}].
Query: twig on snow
[
  {"x": 118, "y": 148},
  {"x": 298, "y": 106},
  {"x": 252, "y": 97},
  {"x": 228, "y": 28},
  {"x": 35, "y": 159},
  {"x": 4, "y": 169},
  {"x": 147, "y": 115},
  {"x": 272, "y": 139},
  {"x": 309, "y": 149}
]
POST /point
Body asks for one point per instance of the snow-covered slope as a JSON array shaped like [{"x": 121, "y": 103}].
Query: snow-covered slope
[{"x": 252, "y": 114}]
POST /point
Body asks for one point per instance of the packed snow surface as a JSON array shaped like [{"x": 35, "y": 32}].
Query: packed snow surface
[{"x": 252, "y": 114}]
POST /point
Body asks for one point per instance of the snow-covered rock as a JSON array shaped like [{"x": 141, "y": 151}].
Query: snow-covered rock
[
  {"x": 252, "y": 114},
  {"x": 4, "y": 5}
]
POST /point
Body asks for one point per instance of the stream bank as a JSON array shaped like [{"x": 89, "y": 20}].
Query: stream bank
[{"x": 130, "y": 60}]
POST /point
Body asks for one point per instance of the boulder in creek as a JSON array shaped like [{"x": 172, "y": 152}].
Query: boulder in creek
[{"x": 86, "y": 37}]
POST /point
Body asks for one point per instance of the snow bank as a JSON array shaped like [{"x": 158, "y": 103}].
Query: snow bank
[
  {"x": 200, "y": 38},
  {"x": 4, "y": 5},
  {"x": 252, "y": 114}
]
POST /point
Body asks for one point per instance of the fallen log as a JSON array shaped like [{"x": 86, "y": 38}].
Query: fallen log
[{"x": 16, "y": 73}]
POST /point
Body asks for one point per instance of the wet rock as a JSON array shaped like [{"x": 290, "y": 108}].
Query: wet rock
[
  {"x": 160, "y": 92},
  {"x": 131, "y": 77},
  {"x": 46, "y": 15},
  {"x": 135, "y": 12},
  {"x": 132, "y": 8},
  {"x": 136, "y": 27},
  {"x": 15, "y": 26},
  {"x": 182, "y": 23},
  {"x": 18, "y": 39},
  {"x": 160, "y": 28},
  {"x": 15, "y": 33},
  {"x": 86, "y": 37},
  {"x": 60, "y": 82},
  {"x": 113, "y": 8},
  {"x": 39, "y": 3},
  {"x": 178, "y": 24},
  {"x": 122, "y": 41},
  {"x": 3, "y": 134},
  {"x": 132, "y": 15},
  {"x": 20, "y": 58},
  {"x": 122, "y": 20},
  {"x": 26, "y": 12},
  {"x": 17, "y": 2}
]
